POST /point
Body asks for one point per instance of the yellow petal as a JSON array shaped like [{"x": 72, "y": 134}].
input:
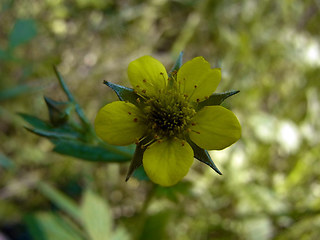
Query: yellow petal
[
  {"x": 119, "y": 123},
  {"x": 147, "y": 75},
  {"x": 215, "y": 128},
  {"x": 168, "y": 162},
  {"x": 197, "y": 80}
]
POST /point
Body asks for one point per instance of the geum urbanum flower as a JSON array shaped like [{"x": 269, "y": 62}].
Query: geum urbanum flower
[{"x": 172, "y": 119}]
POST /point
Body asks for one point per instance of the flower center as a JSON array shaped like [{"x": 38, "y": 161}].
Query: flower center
[{"x": 168, "y": 115}]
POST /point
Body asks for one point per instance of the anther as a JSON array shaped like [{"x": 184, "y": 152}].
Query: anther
[
  {"x": 198, "y": 100},
  {"x": 144, "y": 80},
  {"x": 193, "y": 124},
  {"x": 129, "y": 113},
  {"x": 143, "y": 91},
  {"x": 137, "y": 86},
  {"x": 135, "y": 119},
  {"x": 195, "y": 86}
]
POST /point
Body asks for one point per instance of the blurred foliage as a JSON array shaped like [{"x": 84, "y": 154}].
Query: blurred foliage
[{"x": 269, "y": 50}]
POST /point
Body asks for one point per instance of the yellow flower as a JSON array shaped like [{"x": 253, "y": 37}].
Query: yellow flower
[{"x": 171, "y": 119}]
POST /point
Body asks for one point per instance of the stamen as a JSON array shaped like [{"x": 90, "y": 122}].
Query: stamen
[
  {"x": 148, "y": 144},
  {"x": 195, "y": 131},
  {"x": 164, "y": 79}
]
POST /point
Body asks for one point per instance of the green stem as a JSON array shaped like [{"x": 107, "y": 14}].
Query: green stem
[
  {"x": 79, "y": 111},
  {"x": 143, "y": 213}
]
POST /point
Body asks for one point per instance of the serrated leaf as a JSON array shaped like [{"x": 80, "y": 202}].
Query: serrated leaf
[
  {"x": 123, "y": 93},
  {"x": 88, "y": 152},
  {"x": 65, "y": 203},
  {"x": 203, "y": 156},
  {"x": 216, "y": 99},
  {"x": 177, "y": 64},
  {"x": 49, "y": 226},
  {"x": 23, "y": 31},
  {"x": 96, "y": 216}
]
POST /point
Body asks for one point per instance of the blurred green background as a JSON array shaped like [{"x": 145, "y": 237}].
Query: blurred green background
[{"x": 269, "y": 50}]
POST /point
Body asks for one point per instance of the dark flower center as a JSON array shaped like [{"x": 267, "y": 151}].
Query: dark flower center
[{"x": 168, "y": 115}]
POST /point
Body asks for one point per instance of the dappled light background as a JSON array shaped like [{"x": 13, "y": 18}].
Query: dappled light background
[{"x": 269, "y": 50}]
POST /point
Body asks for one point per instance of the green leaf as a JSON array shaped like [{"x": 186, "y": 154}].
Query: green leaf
[
  {"x": 53, "y": 134},
  {"x": 172, "y": 193},
  {"x": 120, "y": 234},
  {"x": 23, "y": 31},
  {"x": 177, "y": 65},
  {"x": 216, "y": 99},
  {"x": 42, "y": 128},
  {"x": 96, "y": 216},
  {"x": 203, "y": 156},
  {"x": 91, "y": 153},
  {"x": 140, "y": 174},
  {"x": 123, "y": 93},
  {"x": 155, "y": 226},
  {"x": 36, "y": 122},
  {"x": 6, "y": 162},
  {"x": 60, "y": 200},
  {"x": 5, "y": 55},
  {"x": 15, "y": 91},
  {"x": 49, "y": 226}
]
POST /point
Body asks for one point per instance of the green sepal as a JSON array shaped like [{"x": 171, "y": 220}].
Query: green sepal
[
  {"x": 59, "y": 112},
  {"x": 136, "y": 161},
  {"x": 203, "y": 156},
  {"x": 216, "y": 99},
  {"x": 176, "y": 66},
  {"x": 124, "y": 93}
]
